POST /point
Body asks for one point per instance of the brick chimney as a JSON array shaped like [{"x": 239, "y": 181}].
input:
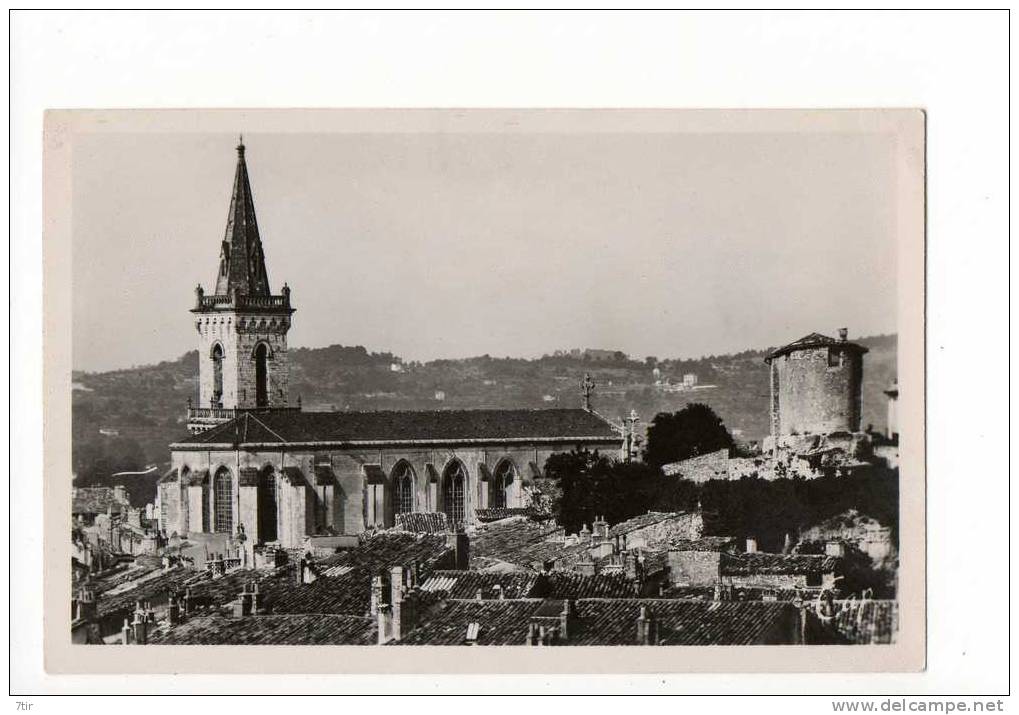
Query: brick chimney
[{"x": 647, "y": 627}]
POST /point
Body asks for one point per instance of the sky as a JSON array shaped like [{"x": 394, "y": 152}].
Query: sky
[{"x": 447, "y": 245}]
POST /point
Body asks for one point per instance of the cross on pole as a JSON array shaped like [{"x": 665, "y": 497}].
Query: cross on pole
[
  {"x": 631, "y": 437},
  {"x": 587, "y": 386}
]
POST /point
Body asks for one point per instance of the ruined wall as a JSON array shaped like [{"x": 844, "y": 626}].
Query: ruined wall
[{"x": 816, "y": 391}]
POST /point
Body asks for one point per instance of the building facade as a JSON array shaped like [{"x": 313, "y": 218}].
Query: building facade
[{"x": 257, "y": 467}]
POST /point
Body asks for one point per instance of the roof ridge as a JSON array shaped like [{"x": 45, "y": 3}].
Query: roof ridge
[{"x": 278, "y": 435}]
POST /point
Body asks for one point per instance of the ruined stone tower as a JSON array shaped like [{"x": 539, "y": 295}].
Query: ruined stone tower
[
  {"x": 816, "y": 386},
  {"x": 242, "y": 327}
]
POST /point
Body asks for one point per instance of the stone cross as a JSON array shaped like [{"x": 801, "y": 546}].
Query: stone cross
[{"x": 587, "y": 386}]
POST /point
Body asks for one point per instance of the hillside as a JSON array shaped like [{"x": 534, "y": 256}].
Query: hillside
[{"x": 124, "y": 419}]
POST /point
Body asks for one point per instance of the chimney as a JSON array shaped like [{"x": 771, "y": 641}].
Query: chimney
[
  {"x": 843, "y": 334},
  {"x": 600, "y": 528},
  {"x": 377, "y": 596},
  {"x": 86, "y": 604},
  {"x": 189, "y": 602},
  {"x": 258, "y": 606},
  {"x": 566, "y": 619},
  {"x": 173, "y": 611},
  {"x": 125, "y": 633},
  {"x": 751, "y": 545},
  {"x": 460, "y": 543},
  {"x": 140, "y": 628},
  {"x": 396, "y": 600},
  {"x": 532, "y": 634},
  {"x": 473, "y": 629},
  {"x": 787, "y": 546},
  {"x": 647, "y": 628},
  {"x": 120, "y": 494}
]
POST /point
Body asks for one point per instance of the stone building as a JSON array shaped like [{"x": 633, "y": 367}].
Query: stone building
[
  {"x": 816, "y": 387},
  {"x": 256, "y": 469}
]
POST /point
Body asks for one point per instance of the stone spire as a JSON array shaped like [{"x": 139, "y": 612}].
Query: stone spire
[{"x": 241, "y": 261}]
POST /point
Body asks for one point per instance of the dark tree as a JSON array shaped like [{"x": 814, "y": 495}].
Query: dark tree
[{"x": 692, "y": 431}]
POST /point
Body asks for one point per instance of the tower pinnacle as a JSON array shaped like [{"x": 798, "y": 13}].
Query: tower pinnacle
[{"x": 241, "y": 261}]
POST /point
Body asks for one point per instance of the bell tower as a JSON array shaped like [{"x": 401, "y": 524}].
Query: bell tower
[{"x": 242, "y": 327}]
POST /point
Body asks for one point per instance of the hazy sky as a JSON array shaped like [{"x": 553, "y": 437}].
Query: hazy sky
[{"x": 452, "y": 245}]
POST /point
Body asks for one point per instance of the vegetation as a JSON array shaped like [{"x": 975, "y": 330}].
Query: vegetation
[{"x": 692, "y": 431}]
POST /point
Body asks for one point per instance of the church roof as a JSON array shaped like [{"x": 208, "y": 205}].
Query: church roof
[
  {"x": 440, "y": 426},
  {"x": 808, "y": 342},
  {"x": 241, "y": 261}
]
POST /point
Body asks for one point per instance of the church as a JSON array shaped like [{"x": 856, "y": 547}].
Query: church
[{"x": 256, "y": 465}]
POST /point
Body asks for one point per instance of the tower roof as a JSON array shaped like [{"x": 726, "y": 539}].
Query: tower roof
[
  {"x": 814, "y": 340},
  {"x": 241, "y": 261}
]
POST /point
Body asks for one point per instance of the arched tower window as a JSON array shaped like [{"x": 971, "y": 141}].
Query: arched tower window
[
  {"x": 502, "y": 484},
  {"x": 223, "y": 506},
  {"x": 454, "y": 493},
  {"x": 262, "y": 375},
  {"x": 268, "y": 510},
  {"x": 403, "y": 489},
  {"x": 217, "y": 375}
]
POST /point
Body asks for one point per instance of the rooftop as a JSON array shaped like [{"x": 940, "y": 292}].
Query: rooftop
[
  {"x": 809, "y": 342},
  {"x": 440, "y": 426},
  {"x": 273, "y": 629},
  {"x": 777, "y": 564}
]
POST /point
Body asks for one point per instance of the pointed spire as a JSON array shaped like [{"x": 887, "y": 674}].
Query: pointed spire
[{"x": 241, "y": 261}]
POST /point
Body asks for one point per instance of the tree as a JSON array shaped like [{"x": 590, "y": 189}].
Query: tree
[{"x": 692, "y": 431}]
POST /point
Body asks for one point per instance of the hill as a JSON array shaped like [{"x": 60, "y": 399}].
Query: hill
[{"x": 124, "y": 419}]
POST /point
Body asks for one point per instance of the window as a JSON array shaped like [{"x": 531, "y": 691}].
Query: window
[
  {"x": 222, "y": 488},
  {"x": 454, "y": 492},
  {"x": 217, "y": 375},
  {"x": 403, "y": 489},
  {"x": 268, "y": 518},
  {"x": 262, "y": 375},
  {"x": 834, "y": 357},
  {"x": 501, "y": 484}
]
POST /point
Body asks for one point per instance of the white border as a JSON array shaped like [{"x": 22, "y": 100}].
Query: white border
[{"x": 952, "y": 64}]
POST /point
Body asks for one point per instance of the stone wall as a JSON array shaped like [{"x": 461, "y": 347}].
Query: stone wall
[
  {"x": 239, "y": 334},
  {"x": 694, "y": 568},
  {"x": 332, "y": 493},
  {"x": 816, "y": 391}
]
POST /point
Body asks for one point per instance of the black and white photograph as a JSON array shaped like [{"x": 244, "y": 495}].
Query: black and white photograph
[
  {"x": 518, "y": 352},
  {"x": 517, "y": 386}
]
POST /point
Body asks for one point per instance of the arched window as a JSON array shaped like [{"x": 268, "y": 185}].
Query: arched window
[
  {"x": 403, "y": 489},
  {"x": 268, "y": 513},
  {"x": 502, "y": 483},
  {"x": 217, "y": 375},
  {"x": 262, "y": 375},
  {"x": 222, "y": 489},
  {"x": 454, "y": 493},
  {"x": 185, "y": 479}
]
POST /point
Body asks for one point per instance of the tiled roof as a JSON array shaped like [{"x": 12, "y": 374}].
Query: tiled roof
[
  {"x": 465, "y": 584},
  {"x": 498, "y": 513},
  {"x": 774, "y": 564},
  {"x": 705, "y": 543},
  {"x": 423, "y": 522},
  {"x": 567, "y": 584},
  {"x": 501, "y": 622},
  {"x": 814, "y": 340},
  {"x": 610, "y": 621},
  {"x": 680, "y": 622},
  {"x": 290, "y": 426},
  {"x": 394, "y": 548},
  {"x": 152, "y": 589},
  {"x": 522, "y": 542},
  {"x": 642, "y": 521},
  {"x": 272, "y": 629},
  {"x": 867, "y": 622}
]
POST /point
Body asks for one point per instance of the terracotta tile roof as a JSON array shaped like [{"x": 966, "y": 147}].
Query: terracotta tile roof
[
  {"x": 564, "y": 425},
  {"x": 867, "y": 622},
  {"x": 423, "y": 522},
  {"x": 499, "y": 513},
  {"x": 465, "y": 584},
  {"x": 814, "y": 340},
  {"x": 680, "y": 622},
  {"x": 642, "y": 521},
  {"x": 567, "y": 584},
  {"x": 609, "y": 621},
  {"x": 501, "y": 622},
  {"x": 394, "y": 548},
  {"x": 775, "y": 564},
  {"x": 272, "y": 629},
  {"x": 705, "y": 543},
  {"x": 509, "y": 536},
  {"x": 149, "y": 589}
]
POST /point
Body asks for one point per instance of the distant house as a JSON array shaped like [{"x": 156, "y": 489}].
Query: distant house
[{"x": 88, "y": 502}]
